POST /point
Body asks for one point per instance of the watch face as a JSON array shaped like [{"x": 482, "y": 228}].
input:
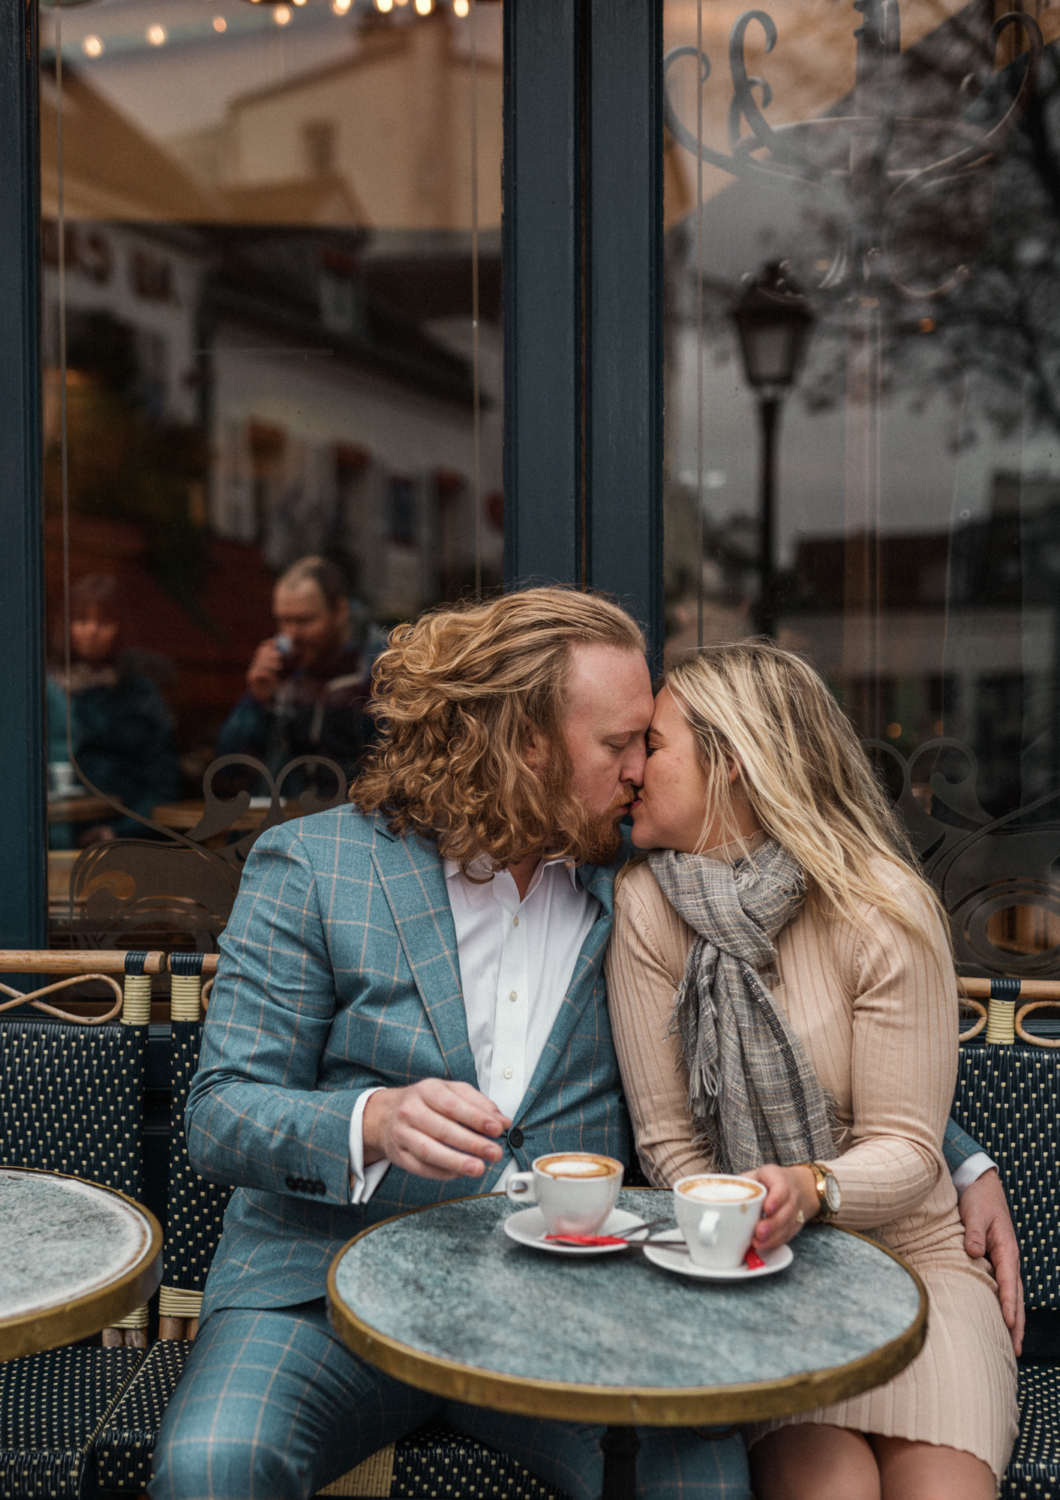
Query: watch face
[{"x": 831, "y": 1193}]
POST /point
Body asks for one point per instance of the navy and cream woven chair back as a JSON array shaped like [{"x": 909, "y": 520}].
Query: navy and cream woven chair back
[
  {"x": 196, "y": 1210},
  {"x": 71, "y": 1100},
  {"x": 71, "y": 1086},
  {"x": 194, "y": 1219},
  {"x": 1008, "y": 1087}
]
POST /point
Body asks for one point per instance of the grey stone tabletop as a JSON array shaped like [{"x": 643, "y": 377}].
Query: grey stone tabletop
[
  {"x": 61, "y": 1239},
  {"x": 443, "y": 1298}
]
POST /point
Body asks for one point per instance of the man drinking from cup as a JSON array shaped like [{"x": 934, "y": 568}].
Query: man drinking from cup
[{"x": 409, "y": 1003}]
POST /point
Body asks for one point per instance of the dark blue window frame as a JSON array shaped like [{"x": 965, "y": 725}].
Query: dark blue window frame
[{"x": 583, "y": 325}]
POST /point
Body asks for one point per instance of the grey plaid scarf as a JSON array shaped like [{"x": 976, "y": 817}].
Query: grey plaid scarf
[{"x": 753, "y": 1095}]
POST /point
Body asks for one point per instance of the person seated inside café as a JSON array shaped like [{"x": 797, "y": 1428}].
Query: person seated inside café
[
  {"x": 307, "y": 685},
  {"x": 121, "y": 731}
]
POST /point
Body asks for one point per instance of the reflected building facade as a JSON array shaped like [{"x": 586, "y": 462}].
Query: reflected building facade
[{"x": 901, "y": 165}]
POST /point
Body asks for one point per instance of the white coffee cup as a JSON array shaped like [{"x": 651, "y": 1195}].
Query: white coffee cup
[
  {"x": 575, "y": 1190},
  {"x": 64, "y": 781},
  {"x": 718, "y": 1214}
]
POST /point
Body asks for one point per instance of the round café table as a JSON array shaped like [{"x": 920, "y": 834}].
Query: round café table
[
  {"x": 74, "y": 1258},
  {"x": 442, "y": 1299}
]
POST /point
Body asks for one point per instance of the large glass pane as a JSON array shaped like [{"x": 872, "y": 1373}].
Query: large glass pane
[
  {"x": 271, "y": 239},
  {"x": 863, "y": 409}
]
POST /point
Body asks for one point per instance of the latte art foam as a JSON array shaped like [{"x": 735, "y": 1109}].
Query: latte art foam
[
  {"x": 577, "y": 1166},
  {"x": 719, "y": 1190}
]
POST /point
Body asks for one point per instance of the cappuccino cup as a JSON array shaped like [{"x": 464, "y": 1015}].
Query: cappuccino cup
[
  {"x": 575, "y": 1190},
  {"x": 718, "y": 1215}
]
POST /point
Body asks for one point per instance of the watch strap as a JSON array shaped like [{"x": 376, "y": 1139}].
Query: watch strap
[{"x": 820, "y": 1177}]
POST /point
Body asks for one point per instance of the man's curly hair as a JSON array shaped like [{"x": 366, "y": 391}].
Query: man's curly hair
[{"x": 455, "y": 695}]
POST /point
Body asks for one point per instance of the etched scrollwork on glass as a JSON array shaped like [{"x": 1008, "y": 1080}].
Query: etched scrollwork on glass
[
  {"x": 983, "y": 868},
  {"x": 178, "y": 890},
  {"x": 875, "y": 164}
]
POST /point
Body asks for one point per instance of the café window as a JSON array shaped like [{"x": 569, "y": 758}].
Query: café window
[
  {"x": 271, "y": 333},
  {"x": 862, "y": 286}
]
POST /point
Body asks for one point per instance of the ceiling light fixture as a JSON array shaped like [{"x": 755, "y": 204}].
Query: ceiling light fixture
[
  {"x": 220, "y": 24},
  {"x": 157, "y": 35},
  {"x": 424, "y": 7},
  {"x": 92, "y": 46},
  {"x": 460, "y": 8},
  {"x": 281, "y": 15},
  {"x": 340, "y": 7}
]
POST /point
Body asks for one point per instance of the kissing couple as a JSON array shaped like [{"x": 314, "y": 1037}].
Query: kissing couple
[{"x": 469, "y": 967}]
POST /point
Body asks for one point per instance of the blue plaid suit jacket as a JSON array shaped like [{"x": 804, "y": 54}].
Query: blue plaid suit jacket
[{"x": 338, "y": 972}]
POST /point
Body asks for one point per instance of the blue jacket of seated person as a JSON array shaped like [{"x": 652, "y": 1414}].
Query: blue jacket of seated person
[{"x": 339, "y": 972}]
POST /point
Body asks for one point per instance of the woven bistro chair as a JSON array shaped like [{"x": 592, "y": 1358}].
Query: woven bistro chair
[
  {"x": 433, "y": 1461},
  {"x": 1008, "y": 1083},
  {"x": 71, "y": 1100},
  {"x": 194, "y": 1219}
]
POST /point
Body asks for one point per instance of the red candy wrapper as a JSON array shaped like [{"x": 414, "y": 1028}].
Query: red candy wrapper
[{"x": 752, "y": 1260}]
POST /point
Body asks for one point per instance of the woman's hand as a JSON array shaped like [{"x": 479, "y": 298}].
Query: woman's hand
[{"x": 790, "y": 1192}]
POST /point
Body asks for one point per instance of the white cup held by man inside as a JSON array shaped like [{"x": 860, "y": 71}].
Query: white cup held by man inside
[
  {"x": 575, "y": 1190},
  {"x": 718, "y": 1215}
]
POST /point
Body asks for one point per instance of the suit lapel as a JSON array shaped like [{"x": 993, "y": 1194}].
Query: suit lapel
[
  {"x": 410, "y": 872},
  {"x": 599, "y": 881}
]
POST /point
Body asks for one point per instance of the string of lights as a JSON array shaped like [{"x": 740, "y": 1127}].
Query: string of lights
[{"x": 251, "y": 16}]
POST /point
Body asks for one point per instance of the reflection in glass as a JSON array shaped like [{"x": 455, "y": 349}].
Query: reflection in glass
[
  {"x": 899, "y": 163},
  {"x": 271, "y": 245}
]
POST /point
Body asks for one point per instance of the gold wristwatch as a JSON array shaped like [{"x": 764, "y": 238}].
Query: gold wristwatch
[{"x": 828, "y": 1195}]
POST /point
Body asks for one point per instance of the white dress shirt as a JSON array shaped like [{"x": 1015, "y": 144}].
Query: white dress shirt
[
  {"x": 517, "y": 959},
  {"x": 516, "y": 962}
]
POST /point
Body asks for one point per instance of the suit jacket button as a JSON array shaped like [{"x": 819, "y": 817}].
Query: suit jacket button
[
  {"x": 515, "y": 1137},
  {"x": 320, "y": 1187},
  {"x": 291, "y": 1183}
]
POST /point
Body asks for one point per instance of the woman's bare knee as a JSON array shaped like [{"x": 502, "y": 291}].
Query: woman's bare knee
[
  {"x": 929, "y": 1471},
  {"x": 812, "y": 1461}
]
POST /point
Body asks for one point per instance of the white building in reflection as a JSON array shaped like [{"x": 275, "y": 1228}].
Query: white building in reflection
[{"x": 298, "y": 277}]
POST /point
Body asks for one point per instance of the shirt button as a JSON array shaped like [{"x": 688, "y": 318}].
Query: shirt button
[
  {"x": 515, "y": 921},
  {"x": 507, "y": 1072},
  {"x": 512, "y": 995}
]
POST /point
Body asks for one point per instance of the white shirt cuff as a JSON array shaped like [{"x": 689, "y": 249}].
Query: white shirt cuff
[
  {"x": 363, "y": 1180},
  {"x": 969, "y": 1171}
]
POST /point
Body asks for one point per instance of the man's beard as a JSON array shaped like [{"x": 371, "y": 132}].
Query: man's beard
[
  {"x": 600, "y": 841},
  {"x": 597, "y": 838}
]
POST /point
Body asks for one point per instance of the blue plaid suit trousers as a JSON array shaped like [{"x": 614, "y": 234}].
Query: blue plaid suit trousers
[{"x": 272, "y": 1406}]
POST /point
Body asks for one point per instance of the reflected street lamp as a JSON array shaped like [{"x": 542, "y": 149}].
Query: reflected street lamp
[{"x": 774, "y": 324}]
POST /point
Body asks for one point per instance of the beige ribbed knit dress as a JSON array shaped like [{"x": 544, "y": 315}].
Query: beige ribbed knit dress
[{"x": 877, "y": 1015}]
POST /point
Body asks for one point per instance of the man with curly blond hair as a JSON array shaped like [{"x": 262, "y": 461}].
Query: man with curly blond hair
[{"x": 410, "y": 999}]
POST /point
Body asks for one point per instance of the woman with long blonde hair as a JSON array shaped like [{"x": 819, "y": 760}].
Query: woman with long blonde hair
[{"x": 783, "y": 999}]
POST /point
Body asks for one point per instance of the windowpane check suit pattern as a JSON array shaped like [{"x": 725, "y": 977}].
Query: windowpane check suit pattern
[{"x": 339, "y": 972}]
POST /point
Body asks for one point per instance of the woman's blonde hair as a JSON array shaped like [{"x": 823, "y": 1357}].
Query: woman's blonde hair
[
  {"x": 808, "y": 780},
  {"x": 455, "y": 695}
]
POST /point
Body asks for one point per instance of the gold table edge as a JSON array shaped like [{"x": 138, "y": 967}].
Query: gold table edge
[
  {"x": 652, "y": 1406},
  {"x": 34, "y": 1331}
]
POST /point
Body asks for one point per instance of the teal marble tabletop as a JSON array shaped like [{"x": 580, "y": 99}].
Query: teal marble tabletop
[
  {"x": 67, "y": 1246},
  {"x": 445, "y": 1300}
]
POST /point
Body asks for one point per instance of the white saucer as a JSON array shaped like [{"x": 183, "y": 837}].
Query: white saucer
[
  {"x": 681, "y": 1262},
  {"x": 528, "y": 1227}
]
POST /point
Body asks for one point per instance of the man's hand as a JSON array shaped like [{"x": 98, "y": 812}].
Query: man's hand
[
  {"x": 435, "y": 1128},
  {"x": 988, "y": 1231},
  {"x": 264, "y": 672}
]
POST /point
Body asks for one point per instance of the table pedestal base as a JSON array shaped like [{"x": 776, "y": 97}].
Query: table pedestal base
[{"x": 619, "y": 1446}]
